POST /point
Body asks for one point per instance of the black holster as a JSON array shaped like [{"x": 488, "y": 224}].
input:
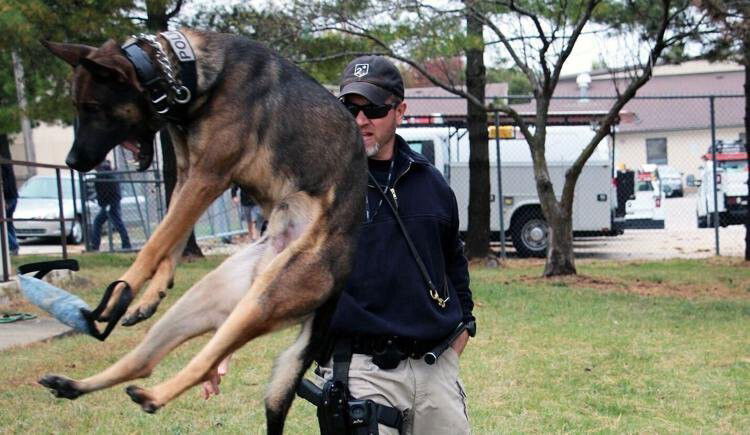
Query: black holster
[{"x": 338, "y": 412}]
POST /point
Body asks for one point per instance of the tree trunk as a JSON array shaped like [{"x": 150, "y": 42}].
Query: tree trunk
[
  {"x": 558, "y": 214},
  {"x": 560, "y": 259},
  {"x": 169, "y": 171},
  {"x": 23, "y": 105},
  {"x": 478, "y": 229}
]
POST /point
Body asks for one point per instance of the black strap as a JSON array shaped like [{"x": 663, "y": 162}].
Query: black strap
[
  {"x": 44, "y": 267},
  {"x": 186, "y": 57},
  {"x": 149, "y": 77},
  {"x": 118, "y": 311},
  {"x": 430, "y": 286},
  {"x": 390, "y": 416},
  {"x": 342, "y": 359}
]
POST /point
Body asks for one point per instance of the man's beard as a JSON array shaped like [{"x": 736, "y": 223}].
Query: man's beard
[{"x": 372, "y": 150}]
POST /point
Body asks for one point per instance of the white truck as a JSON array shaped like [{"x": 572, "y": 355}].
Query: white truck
[
  {"x": 595, "y": 200},
  {"x": 731, "y": 186}
]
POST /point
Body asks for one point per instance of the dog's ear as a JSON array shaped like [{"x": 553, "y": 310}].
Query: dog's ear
[
  {"x": 112, "y": 68},
  {"x": 71, "y": 53}
]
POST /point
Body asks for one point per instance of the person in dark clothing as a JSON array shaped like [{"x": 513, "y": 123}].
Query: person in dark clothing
[
  {"x": 10, "y": 193},
  {"x": 108, "y": 197},
  {"x": 249, "y": 211}
]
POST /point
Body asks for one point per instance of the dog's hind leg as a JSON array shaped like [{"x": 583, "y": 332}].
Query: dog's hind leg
[
  {"x": 203, "y": 308},
  {"x": 292, "y": 364}
]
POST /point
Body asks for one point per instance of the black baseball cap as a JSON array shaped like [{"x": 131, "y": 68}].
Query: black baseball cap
[{"x": 373, "y": 77}]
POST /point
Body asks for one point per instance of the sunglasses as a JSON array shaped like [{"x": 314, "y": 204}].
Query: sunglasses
[{"x": 371, "y": 111}]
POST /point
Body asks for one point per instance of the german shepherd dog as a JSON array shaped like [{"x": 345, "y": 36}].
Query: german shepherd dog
[{"x": 256, "y": 120}]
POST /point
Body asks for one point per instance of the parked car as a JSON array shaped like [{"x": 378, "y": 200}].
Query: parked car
[
  {"x": 671, "y": 181},
  {"x": 643, "y": 209},
  {"x": 38, "y": 199}
]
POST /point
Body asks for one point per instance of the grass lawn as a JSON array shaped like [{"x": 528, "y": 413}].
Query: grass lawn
[{"x": 623, "y": 347}]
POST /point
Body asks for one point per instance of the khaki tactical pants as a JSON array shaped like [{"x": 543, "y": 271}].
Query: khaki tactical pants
[{"x": 433, "y": 396}]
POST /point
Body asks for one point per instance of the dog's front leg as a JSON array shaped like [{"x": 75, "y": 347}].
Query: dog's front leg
[
  {"x": 186, "y": 207},
  {"x": 203, "y": 308}
]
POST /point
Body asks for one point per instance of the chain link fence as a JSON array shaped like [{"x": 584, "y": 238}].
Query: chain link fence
[
  {"x": 669, "y": 181},
  {"x": 124, "y": 207},
  {"x": 654, "y": 188}
]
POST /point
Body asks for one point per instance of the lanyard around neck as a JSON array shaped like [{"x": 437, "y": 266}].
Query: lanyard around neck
[{"x": 385, "y": 189}]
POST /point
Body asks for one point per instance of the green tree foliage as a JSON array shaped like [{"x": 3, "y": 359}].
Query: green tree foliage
[
  {"x": 285, "y": 32},
  {"x": 23, "y": 23}
]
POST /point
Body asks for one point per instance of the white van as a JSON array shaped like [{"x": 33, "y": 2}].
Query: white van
[{"x": 595, "y": 195}]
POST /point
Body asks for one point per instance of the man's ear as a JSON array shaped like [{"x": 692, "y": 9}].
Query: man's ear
[
  {"x": 70, "y": 53},
  {"x": 400, "y": 110}
]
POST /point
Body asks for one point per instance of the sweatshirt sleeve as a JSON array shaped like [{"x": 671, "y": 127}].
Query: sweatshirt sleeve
[{"x": 456, "y": 264}]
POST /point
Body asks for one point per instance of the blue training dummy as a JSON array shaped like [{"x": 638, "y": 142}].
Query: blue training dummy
[{"x": 67, "y": 307}]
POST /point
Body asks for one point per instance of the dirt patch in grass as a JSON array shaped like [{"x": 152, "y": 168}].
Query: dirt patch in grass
[{"x": 641, "y": 287}]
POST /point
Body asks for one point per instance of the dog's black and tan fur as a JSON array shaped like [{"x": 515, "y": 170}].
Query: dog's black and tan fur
[{"x": 259, "y": 121}]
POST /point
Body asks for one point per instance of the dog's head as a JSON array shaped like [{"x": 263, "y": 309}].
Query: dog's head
[{"x": 110, "y": 104}]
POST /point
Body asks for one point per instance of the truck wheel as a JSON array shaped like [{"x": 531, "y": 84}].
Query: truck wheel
[{"x": 530, "y": 235}]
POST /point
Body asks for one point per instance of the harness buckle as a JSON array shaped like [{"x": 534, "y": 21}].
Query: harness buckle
[{"x": 181, "y": 94}]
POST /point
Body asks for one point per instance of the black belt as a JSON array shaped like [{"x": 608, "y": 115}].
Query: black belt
[{"x": 388, "y": 351}]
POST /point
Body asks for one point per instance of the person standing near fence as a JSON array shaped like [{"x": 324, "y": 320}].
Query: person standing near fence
[
  {"x": 10, "y": 193},
  {"x": 249, "y": 211},
  {"x": 108, "y": 197}
]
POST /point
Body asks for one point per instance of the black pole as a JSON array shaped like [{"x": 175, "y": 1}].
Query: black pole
[
  {"x": 499, "y": 186},
  {"x": 713, "y": 162},
  {"x": 63, "y": 238},
  {"x": 4, "y": 243}
]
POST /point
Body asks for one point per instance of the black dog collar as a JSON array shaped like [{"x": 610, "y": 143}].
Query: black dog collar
[{"x": 169, "y": 100}]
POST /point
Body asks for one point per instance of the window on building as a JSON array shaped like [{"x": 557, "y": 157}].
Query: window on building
[{"x": 656, "y": 151}]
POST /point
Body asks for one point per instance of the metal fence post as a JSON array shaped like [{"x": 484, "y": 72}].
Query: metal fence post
[
  {"x": 499, "y": 185},
  {"x": 63, "y": 236},
  {"x": 713, "y": 162},
  {"x": 4, "y": 243},
  {"x": 84, "y": 211}
]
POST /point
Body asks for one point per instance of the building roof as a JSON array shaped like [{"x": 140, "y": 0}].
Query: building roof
[
  {"x": 431, "y": 100},
  {"x": 688, "y": 109}
]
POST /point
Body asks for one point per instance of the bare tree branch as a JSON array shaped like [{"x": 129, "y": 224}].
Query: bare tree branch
[
  {"x": 176, "y": 10},
  {"x": 552, "y": 83},
  {"x": 506, "y": 43},
  {"x": 574, "y": 171}
]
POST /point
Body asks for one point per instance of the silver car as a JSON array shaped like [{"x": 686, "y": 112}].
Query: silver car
[{"x": 37, "y": 199}]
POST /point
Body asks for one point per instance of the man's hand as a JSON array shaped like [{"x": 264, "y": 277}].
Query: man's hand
[
  {"x": 211, "y": 387},
  {"x": 460, "y": 342}
]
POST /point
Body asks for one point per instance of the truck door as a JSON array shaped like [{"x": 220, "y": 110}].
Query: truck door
[{"x": 625, "y": 188}]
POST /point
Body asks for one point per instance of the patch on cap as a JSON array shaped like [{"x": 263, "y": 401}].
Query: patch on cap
[{"x": 361, "y": 69}]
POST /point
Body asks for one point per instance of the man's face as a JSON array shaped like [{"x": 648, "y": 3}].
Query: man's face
[{"x": 377, "y": 134}]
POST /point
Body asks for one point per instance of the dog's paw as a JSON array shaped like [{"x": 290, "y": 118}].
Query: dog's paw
[
  {"x": 143, "y": 398},
  {"x": 139, "y": 314},
  {"x": 61, "y": 386}
]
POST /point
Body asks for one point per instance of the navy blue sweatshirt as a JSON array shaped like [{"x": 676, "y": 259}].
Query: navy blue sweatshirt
[{"x": 386, "y": 293}]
